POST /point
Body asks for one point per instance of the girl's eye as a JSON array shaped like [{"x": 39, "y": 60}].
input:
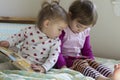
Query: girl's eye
[{"x": 79, "y": 26}]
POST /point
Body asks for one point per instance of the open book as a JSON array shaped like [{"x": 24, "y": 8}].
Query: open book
[{"x": 16, "y": 59}]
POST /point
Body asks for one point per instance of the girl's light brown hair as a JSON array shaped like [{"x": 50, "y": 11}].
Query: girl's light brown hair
[
  {"x": 51, "y": 11},
  {"x": 84, "y": 11}
]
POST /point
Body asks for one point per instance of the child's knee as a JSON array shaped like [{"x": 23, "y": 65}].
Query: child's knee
[{"x": 81, "y": 62}]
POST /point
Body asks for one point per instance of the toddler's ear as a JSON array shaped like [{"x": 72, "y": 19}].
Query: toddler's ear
[{"x": 46, "y": 23}]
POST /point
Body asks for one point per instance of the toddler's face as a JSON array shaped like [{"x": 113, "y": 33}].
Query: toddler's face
[
  {"x": 76, "y": 27},
  {"x": 55, "y": 28}
]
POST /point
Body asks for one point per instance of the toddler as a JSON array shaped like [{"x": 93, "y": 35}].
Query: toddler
[
  {"x": 40, "y": 43},
  {"x": 76, "y": 49}
]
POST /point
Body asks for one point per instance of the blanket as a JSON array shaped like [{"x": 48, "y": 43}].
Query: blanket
[{"x": 53, "y": 74}]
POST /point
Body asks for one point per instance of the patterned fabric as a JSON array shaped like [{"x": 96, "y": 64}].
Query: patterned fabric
[
  {"x": 54, "y": 74},
  {"x": 104, "y": 70},
  {"x": 89, "y": 71},
  {"x": 36, "y": 46},
  {"x": 91, "y": 68},
  {"x": 73, "y": 43}
]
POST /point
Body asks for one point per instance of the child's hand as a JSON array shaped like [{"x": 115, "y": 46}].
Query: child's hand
[
  {"x": 4, "y": 44},
  {"x": 38, "y": 68},
  {"x": 64, "y": 67}
]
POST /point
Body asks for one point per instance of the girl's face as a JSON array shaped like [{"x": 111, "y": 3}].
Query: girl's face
[
  {"x": 53, "y": 28},
  {"x": 76, "y": 27}
]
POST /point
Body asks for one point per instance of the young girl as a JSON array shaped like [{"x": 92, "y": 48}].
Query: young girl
[
  {"x": 40, "y": 43},
  {"x": 76, "y": 50}
]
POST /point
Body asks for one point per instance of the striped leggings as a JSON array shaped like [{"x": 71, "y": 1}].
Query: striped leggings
[{"x": 91, "y": 68}]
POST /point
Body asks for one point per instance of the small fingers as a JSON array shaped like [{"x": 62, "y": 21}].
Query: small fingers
[{"x": 37, "y": 68}]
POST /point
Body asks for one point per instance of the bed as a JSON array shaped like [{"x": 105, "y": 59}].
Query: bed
[{"x": 12, "y": 25}]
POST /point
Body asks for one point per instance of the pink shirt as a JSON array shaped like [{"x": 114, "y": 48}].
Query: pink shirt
[{"x": 73, "y": 43}]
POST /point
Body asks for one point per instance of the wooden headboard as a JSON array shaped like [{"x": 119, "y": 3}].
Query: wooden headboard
[{"x": 17, "y": 19}]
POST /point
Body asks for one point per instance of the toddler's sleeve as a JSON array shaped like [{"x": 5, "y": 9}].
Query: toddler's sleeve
[
  {"x": 53, "y": 56},
  {"x": 61, "y": 61},
  {"x": 16, "y": 38},
  {"x": 87, "y": 50}
]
